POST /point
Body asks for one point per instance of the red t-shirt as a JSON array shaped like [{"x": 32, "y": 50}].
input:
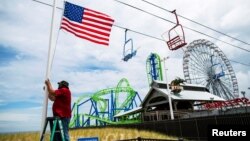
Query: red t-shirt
[{"x": 62, "y": 104}]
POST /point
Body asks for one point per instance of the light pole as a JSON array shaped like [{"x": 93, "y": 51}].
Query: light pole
[
  {"x": 212, "y": 106},
  {"x": 169, "y": 94},
  {"x": 248, "y": 88},
  {"x": 243, "y": 93},
  {"x": 212, "y": 99}
]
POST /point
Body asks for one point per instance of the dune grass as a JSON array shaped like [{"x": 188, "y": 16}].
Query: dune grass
[
  {"x": 112, "y": 134},
  {"x": 104, "y": 134},
  {"x": 22, "y": 136}
]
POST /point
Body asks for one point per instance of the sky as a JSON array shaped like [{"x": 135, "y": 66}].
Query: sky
[{"x": 89, "y": 67}]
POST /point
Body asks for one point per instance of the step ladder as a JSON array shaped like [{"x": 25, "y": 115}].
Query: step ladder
[{"x": 56, "y": 128}]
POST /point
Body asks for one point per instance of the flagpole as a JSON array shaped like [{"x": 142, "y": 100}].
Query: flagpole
[{"x": 45, "y": 102}]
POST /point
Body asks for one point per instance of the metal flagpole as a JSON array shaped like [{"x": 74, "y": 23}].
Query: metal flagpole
[
  {"x": 45, "y": 102},
  {"x": 169, "y": 93}
]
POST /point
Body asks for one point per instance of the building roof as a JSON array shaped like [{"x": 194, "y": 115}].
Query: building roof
[
  {"x": 192, "y": 95},
  {"x": 191, "y": 92},
  {"x": 135, "y": 110},
  {"x": 163, "y": 83}
]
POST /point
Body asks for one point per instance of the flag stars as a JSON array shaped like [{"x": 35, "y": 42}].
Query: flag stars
[{"x": 73, "y": 12}]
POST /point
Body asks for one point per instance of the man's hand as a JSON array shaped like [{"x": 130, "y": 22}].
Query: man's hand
[
  {"x": 47, "y": 82},
  {"x": 50, "y": 90}
]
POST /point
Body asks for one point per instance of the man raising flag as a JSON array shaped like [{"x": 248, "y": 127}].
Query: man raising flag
[{"x": 83, "y": 23}]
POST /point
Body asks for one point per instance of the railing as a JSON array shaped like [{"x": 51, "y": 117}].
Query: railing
[
  {"x": 189, "y": 128},
  {"x": 163, "y": 115}
]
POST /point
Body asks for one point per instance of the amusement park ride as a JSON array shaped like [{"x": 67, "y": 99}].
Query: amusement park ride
[
  {"x": 203, "y": 63},
  {"x": 103, "y": 105},
  {"x": 154, "y": 69},
  {"x": 175, "y": 40},
  {"x": 126, "y": 54},
  {"x": 176, "y": 36}
]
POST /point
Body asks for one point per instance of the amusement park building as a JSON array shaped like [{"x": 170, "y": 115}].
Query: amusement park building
[{"x": 155, "y": 106}]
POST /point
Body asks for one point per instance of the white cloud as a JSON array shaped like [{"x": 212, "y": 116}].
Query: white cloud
[
  {"x": 244, "y": 83},
  {"x": 236, "y": 17},
  {"x": 17, "y": 120},
  {"x": 10, "y": 117}
]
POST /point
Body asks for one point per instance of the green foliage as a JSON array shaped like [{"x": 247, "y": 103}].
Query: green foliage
[
  {"x": 177, "y": 81},
  {"x": 175, "y": 85}
]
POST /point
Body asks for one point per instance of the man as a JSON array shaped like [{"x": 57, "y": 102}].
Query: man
[{"x": 62, "y": 104}]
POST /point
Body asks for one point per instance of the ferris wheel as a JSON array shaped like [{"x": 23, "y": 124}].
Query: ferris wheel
[{"x": 204, "y": 63}]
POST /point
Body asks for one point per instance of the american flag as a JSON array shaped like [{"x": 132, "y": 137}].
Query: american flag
[{"x": 87, "y": 24}]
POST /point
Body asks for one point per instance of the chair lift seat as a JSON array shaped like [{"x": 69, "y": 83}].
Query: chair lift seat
[{"x": 176, "y": 43}]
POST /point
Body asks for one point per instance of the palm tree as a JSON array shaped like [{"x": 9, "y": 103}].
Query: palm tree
[{"x": 175, "y": 85}]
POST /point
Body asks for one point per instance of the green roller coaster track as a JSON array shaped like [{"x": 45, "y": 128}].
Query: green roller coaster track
[{"x": 121, "y": 98}]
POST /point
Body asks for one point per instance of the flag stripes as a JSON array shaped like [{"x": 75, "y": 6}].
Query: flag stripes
[{"x": 92, "y": 25}]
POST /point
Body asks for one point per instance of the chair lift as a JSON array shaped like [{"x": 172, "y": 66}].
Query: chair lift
[
  {"x": 176, "y": 41},
  {"x": 128, "y": 56}
]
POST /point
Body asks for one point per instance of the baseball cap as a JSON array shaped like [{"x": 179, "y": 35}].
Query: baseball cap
[{"x": 64, "y": 83}]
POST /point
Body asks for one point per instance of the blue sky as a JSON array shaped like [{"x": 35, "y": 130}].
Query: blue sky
[{"x": 88, "y": 67}]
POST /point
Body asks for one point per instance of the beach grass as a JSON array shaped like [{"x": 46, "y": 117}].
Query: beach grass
[
  {"x": 21, "y": 136},
  {"x": 103, "y": 134}
]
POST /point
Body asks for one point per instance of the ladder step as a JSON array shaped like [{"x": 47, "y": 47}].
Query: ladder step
[{"x": 55, "y": 128}]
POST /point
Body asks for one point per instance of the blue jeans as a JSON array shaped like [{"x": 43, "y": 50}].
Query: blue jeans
[{"x": 65, "y": 126}]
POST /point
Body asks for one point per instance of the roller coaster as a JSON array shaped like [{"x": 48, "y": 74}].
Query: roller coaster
[
  {"x": 103, "y": 105},
  {"x": 153, "y": 68}
]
